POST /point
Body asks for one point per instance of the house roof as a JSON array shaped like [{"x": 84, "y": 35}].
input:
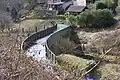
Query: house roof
[
  {"x": 73, "y": 8},
  {"x": 66, "y": 5}
]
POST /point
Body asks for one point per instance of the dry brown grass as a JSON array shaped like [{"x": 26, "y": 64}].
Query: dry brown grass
[
  {"x": 15, "y": 65},
  {"x": 97, "y": 44}
]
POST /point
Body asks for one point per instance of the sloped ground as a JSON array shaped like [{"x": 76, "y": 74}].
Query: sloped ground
[
  {"x": 34, "y": 23},
  {"x": 76, "y": 66},
  {"x": 69, "y": 61},
  {"x": 96, "y": 44},
  {"x": 99, "y": 41},
  {"x": 16, "y": 65}
]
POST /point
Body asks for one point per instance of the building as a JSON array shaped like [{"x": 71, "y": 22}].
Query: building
[
  {"x": 67, "y": 5},
  {"x": 54, "y": 4}
]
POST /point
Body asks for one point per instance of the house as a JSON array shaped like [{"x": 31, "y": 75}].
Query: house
[
  {"x": 75, "y": 6},
  {"x": 54, "y": 4},
  {"x": 67, "y": 5}
]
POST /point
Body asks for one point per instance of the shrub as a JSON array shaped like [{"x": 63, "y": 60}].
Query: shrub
[
  {"x": 73, "y": 20},
  {"x": 100, "y": 5},
  {"x": 103, "y": 18},
  {"x": 107, "y": 2},
  {"x": 110, "y": 4},
  {"x": 85, "y": 18},
  {"x": 61, "y": 17},
  {"x": 96, "y": 18},
  {"x": 91, "y": 6}
]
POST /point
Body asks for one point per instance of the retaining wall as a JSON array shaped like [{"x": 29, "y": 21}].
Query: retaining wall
[
  {"x": 53, "y": 39},
  {"x": 29, "y": 41}
]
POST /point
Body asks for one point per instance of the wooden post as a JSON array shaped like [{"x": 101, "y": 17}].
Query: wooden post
[
  {"x": 54, "y": 61},
  {"x": 44, "y": 27},
  {"x": 51, "y": 57},
  {"x": 23, "y": 30},
  {"x": 35, "y": 29}
]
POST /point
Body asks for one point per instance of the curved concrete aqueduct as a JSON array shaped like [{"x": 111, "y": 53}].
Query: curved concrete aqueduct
[{"x": 46, "y": 38}]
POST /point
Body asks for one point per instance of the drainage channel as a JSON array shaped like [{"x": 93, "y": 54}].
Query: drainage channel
[{"x": 38, "y": 51}]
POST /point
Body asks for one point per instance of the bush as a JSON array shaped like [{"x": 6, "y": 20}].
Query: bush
[
  {"x": 73, "y": 20},
  {"x": 110, "y": 4},
  {"x": 103, "y": 18},
  {"x": 100, "y": 5},
  {"x": 85, "y": 18},
  {"x": 91, "y": 6},
  {"x": 107, "y": 2},
  {"x": 61, "y": 17},
  {"x": 96, "y": 18}
]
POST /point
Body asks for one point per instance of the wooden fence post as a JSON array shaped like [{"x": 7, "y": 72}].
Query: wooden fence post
[{"x": 36, "y": 29}]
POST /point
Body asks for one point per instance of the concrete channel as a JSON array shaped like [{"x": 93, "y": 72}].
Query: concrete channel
[{"x": 40, "y": 48}]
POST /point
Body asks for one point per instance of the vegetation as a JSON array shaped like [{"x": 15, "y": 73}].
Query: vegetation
[
  {"x": 73, "y": 20},
  {"x": 93, "y": 18},
  {"x": 91, "y": 6},
  {"x": 74, "y": 54},
  {"x": 70, "y": 62},
  {"x": 61, "y": 17},
  {"x": 4, "y": 35},
  {"x": 100, "y": 5},
  {"x": 98, "y": 15},
  {"x": 74, "y": 65}
]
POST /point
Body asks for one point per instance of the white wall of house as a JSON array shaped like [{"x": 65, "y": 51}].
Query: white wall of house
[{"x": 79, "y": 2}]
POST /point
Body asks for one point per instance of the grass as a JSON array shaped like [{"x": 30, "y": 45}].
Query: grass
[
  {"x": 4, "y": 35},
  {"x": 69, "y": 62},
  {"x": 109, "y": 71}
]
